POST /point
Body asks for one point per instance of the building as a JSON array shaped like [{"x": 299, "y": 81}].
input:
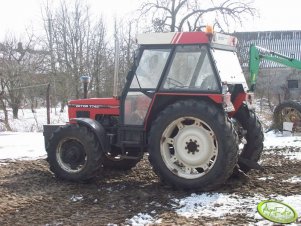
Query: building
[{"x": 275, "y": 80}]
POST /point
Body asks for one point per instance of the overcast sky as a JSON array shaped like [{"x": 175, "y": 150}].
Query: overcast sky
[{"x": 17, "y": 15}]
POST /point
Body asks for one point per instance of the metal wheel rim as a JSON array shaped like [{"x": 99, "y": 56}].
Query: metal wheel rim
[
  {"x": 61, "y": 150},
  {"x": 289, "y": 114},
  {"x": 189, "y": 147}
]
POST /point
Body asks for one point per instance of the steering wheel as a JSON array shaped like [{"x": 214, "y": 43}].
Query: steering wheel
[{"x": 175, "y": 83}]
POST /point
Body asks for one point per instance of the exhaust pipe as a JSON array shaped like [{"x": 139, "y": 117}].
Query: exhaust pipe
[{"x": 85, "y": 79}]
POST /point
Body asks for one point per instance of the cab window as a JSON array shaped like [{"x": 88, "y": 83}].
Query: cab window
[{"x": 150, "y": 68}]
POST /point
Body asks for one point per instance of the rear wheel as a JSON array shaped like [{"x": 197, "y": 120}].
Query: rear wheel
[
  {"x": 192, "y": 145},
  {"x": 74, "y": 153},
  {"x": 287, "y": 111},
  {"x": 250, "y": 132}
]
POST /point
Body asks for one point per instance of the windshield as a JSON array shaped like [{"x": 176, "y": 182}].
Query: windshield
[
  {"x": 191, "y": 69},
  {"x": 229, "y": 67}
]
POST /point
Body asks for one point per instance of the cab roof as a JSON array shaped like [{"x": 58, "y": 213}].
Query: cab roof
[
  {"x": 216, "y": 40},
  {"x": 173, "y": 38}
]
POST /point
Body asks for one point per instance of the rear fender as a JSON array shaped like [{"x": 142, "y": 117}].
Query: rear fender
[
  {"x": 162, "y": 100},
  {"x": 238, "y": 103},
  {"x": 96, "y": 128}
]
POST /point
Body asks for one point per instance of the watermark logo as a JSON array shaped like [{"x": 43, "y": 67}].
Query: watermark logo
[{"x": 277, "y": 212}]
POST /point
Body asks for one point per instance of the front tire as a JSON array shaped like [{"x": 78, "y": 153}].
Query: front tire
[
  {"x": 74, "y": 153},
  {"x": 192, "y": 145}
]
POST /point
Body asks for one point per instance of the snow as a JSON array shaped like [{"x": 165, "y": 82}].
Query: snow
[
  {"x": 142, "y": 219},
  {"x": 76, "y": 198},
  {"x": 26, "y": 145},
  {"x": 287, "y": 146},
  {"x": 219, "y": 205},
  {"x": 216, "y": 205},
  {"x": 33, "y": 122},
  {"x": 272, "y": 140},
  {"x": 293, "y": 180},
  {"x": 265, "y": 178},
  {"x": 27, "y": 142}
]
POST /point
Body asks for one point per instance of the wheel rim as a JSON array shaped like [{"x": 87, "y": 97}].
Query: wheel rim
[
  {"x": 289, "y": 114},
  {"x": 189, "y": 147},
  {"x": 71, "y": 155}
]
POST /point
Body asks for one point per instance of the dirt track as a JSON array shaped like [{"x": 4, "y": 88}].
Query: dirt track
[{"x": 31, "y": 195}]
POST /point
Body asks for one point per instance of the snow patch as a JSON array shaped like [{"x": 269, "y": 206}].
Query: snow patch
[
  {"x": 221, "y": 205},
  {"x": 273, "y": 140},
  {"x": 33, "y": 122},
  {"x": 142, "y": 219},
  {"x": 76, "y": 198},
  {"x": 265, "y": 178},
  {"x": 23, "y": 146},
  {"x": 216, "y": 205},
  {"x": 287, "y": 153},
  {"x": 293, "y": 180}
]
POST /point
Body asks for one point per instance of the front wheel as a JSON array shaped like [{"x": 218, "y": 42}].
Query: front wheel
[
  {"x": 74, "y": 153},
  {"x": 192, "y": 145}
]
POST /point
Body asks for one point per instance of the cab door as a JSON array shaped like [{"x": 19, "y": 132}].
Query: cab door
[{"x": 143, "y": 85}]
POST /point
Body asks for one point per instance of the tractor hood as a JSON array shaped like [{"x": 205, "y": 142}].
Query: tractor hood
[{"x": 90, "y": 108}]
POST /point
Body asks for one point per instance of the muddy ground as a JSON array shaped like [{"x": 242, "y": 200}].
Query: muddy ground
[{"x": 31, "y": 195}]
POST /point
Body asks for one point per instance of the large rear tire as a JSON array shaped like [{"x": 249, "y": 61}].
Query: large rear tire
[
  {"x": 287, "y": 111},
  {"x": 192, "y": 145},
  {"x": 74, "y": 153},
  {"x": 251, "y": 131}
]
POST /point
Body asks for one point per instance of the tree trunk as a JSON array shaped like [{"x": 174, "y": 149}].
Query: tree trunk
[
  {"x": 15, "y": 112},
  {"x": 63, "y": 104},
  {"x": 5, "y": 115}
]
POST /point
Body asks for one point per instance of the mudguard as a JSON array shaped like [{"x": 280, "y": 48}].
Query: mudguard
[{"x": 97, "y": 129}]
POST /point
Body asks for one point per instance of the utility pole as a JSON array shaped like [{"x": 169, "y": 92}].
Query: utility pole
[
  {"x": 116, "y": 69},
  {"x": 52, "y": 61}
]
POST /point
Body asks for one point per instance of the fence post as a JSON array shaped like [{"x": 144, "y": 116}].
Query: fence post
[{"x": 48, "y": 103}]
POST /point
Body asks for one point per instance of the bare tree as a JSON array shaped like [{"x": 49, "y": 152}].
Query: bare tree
[
  {"x": 69, "y": 37},
  {"x": 103, "y": 56},
  {"x": 19, "y": 63},
  {"x": 179, "y": 15},
  {"x": 3, "y": 106},
  {"x": 98, "y": 58},
  {"x": 127, "y": 46}
]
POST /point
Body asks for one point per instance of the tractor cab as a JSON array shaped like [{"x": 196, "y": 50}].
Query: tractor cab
[{"x": 178, "y": 65}]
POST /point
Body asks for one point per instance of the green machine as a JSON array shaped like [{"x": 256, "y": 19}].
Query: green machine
[{"x": 287, "y": 111}]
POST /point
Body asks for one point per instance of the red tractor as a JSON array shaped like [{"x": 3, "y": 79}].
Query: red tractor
[{"x": 185, "y": 102}]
